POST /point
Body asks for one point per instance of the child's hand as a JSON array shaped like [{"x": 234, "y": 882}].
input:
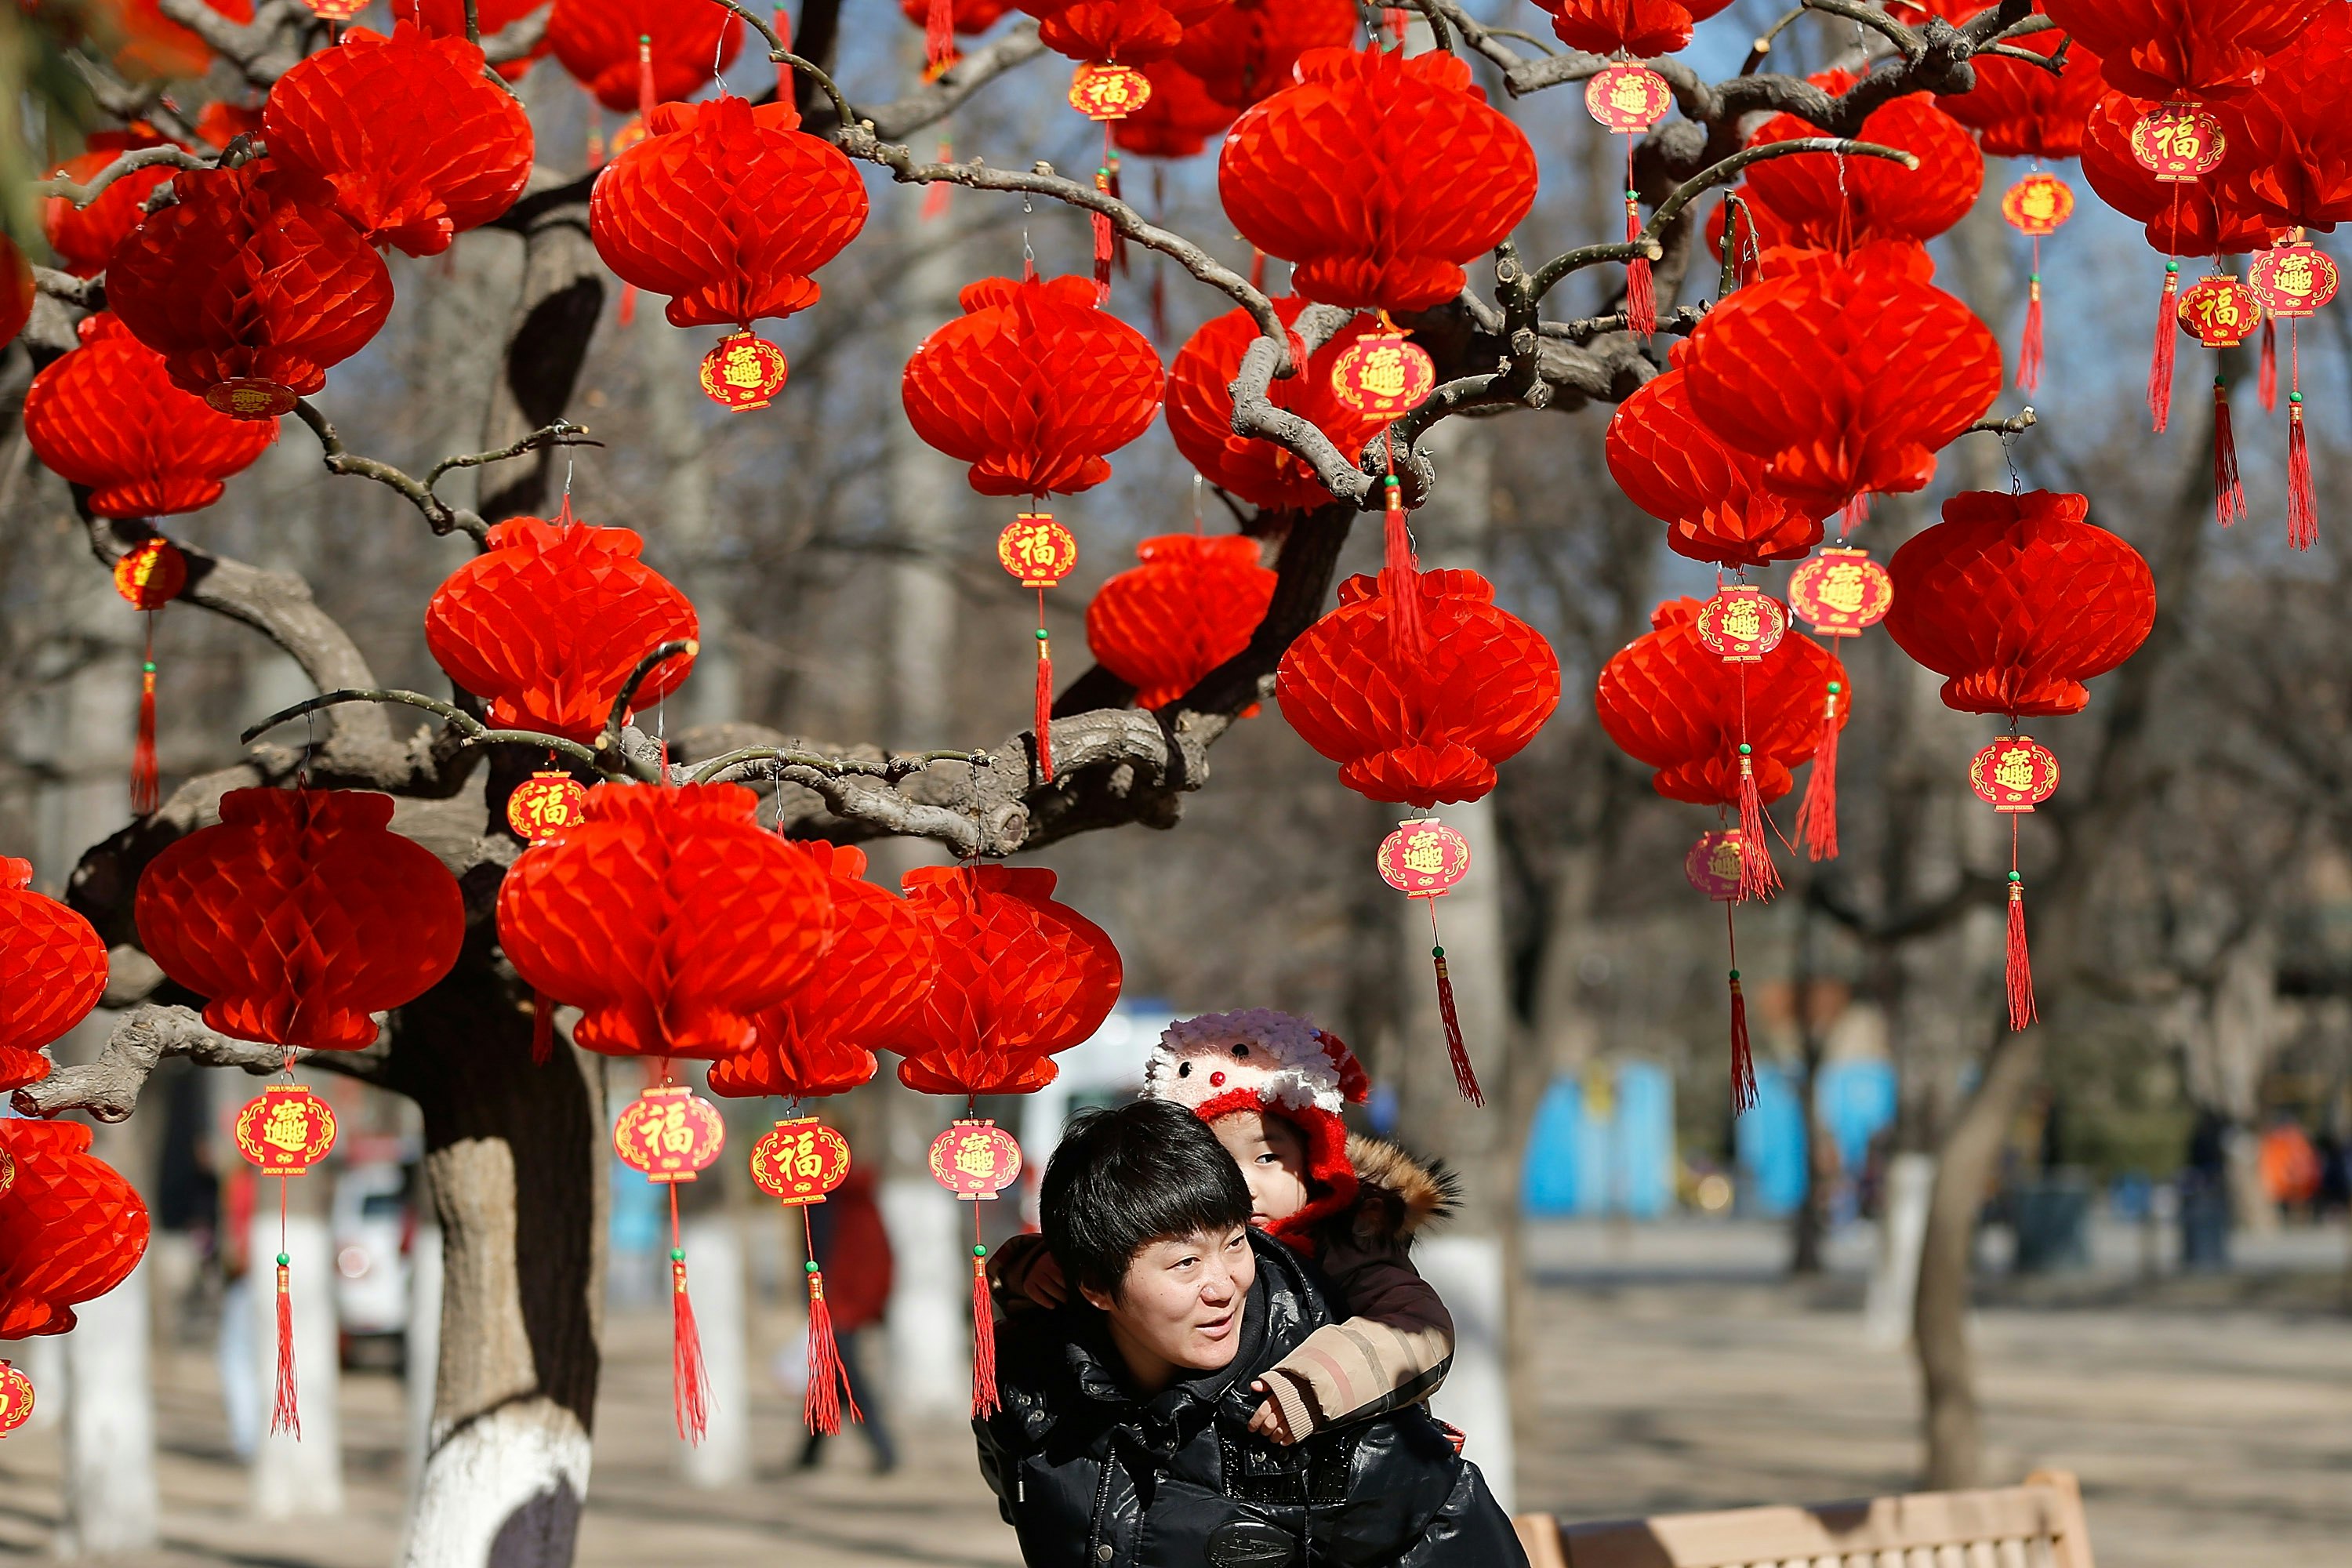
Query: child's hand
[
  {"x": 1043, "y": 1283},
  {"x": 1269, "y": 1422}
]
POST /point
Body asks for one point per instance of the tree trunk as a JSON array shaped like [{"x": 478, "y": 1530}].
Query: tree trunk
[{"x": 513, "y": 1154}]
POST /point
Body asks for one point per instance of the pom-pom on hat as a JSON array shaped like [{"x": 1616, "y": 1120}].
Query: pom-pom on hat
[{"x": 1278, "y": 1063}]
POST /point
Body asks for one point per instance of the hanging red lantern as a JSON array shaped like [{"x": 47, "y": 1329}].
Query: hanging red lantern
[
  {"x": 1426, "y": 859},
  {"x": 727, "y": 208},
  {"x": 52, "y": 972},
  {"x": 2013, "y": 775},
  {"x": 1840, "y": 593},
  {"x": 15, "y": 1397},
  {"x": 447, "y": 19},
  {"x": 1200, "y": 409},
  {"x": 418, "y": 146},
  {"x": 1111, "y": 92},
  {"x": 1021, "y": 977},
  {"x": 1639, "y": 28},
  {"x": 1176, "y": 117},
  {"x": 1846, "y": 375},
  {"x": 596, "y": 41},
  {"x": 1712, "y": 867},
  {"x": 549, "y": 622},
  {"x": 2178, "y": 143},
  {"x": 299, "y": 914},
  {"x": 800, "y": 1162},
  {"x": 669, "y": 1134},
  {"x": 1193, "y": 603},
  {"x": 943, "y": 20},
  {"x": 1828, "y": 202},
  {"x": 2021, "y": 110},
  {"x": 86, "y": 237},
  {"x": 1625, "y": 99},
  {"x": 1247, "y": 50},
  {"x": 1033, "y": 385},
  {"x": 2291, "y": 281},
  {"x": 742, "y": 372},
  {"x": 1378, "y": 174},
  {"x": 149, "y": 575},
  {"x": 2297, "y": 142},
  {"x": 1421, "y": 725},
  {"x": 2220, "y": 311},
  {"x": 1125, "y": 32},
  {"x": 107, "y": 415},
  {"x": 2036, "y": 207},
  {"x": 2184, "y": 49},
  {"x": 149, "y": 45},
  {"x": 250, "y": 286},
  {"x": 545, "y": 804},
  {"x": 1741, "y": 624},
  {"x": 1714, "y": 497},
  {"x": 286, "y": 1130},
  {"x": 71, "y": 1228}
]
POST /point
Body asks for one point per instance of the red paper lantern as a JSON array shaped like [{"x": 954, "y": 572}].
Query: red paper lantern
[
  {"x": 250, "y": 286},
  {"x": 1177, "y": 119},
  {"x": 1379, "y": 175},
  {"x": 799, "y": 1162},
  {"x": 285, "y": 1131},
  {"x": 1021, "y": 977},
  {"x": 150, "y": 46},
  {"x": 2017, "y": 601},
  {"x": 1642, "y": 27},
  {"x": 1033, "y": 385},
  {"x": 52, "y": 972},
  {"x": 2221, "y": 217},
  {"x": 975, "y": 1160},
  {"x": 1844, "y": 375},
  {"x": 85, "y": 238},
  {"x": 819, "y": 1039},
  {"x": 2023, "y": 111},
  {"x": 669, "y": 917},
  {"x": 418, "y": 146},
  {"x": 545, "y": 804},
  {"x": 1712, "y": 498},
  {"x": 107, "y": 415},
  {"x": 2219, "y": 311},
  {"x": 2038, "y": 205},
  {"x": 1423, "y": 858},
  {"x": 1840, "y": 593},
  {"x": 1193, "y": 603},
  {"x": 1824, "y": 201},
  {"x": 71, "y": 1227},
  {"x": 298, "y": 915},
  {"x": 150, "y": 573},
  {"x": 2296, "y": 127},
  {"x": 1741, "y": 624},
  {"x": 1419, "y": 724},
  {"x": 1245, "y": 51},
  {"x": 1200, "y": 409},
  {"x": 551, "y": 620},
  {"x": 1129, "y": 32},
  {"x": 727, "y": 208},
  {"x": 596, "y": 41},
  {"x": 15, "y": 1398},
  {"x": 1674, "y": 706},
  {"x": 2014, "y": 774},
  {"x": 669, "y": 1134},
  {"x": 1712, "y": 867},
  {"x": 2183, "y": 48},
  {"x": 447, "y": 19}
]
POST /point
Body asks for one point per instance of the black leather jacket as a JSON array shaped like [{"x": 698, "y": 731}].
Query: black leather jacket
[{"x": 1090, "y": 1477}]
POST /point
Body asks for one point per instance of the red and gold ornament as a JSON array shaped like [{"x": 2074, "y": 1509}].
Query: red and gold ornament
[
  {"x": 1712, "y": 867},
  {"x": 1741, "y": 624},
  {"x": 149, "y": 575},
  {"x": 545, "y": 805},
  {"x": 2291, "y": 281},
  {"x": 1423, "y": 858},
  {"x": 743, "y": 370},
  {"x": 15, "y": 1398},
  {"x": 1715, "y": 866},
  {"x": 670, "y": 1135},
  {"x": 1383, "y": 374},
  {"x": 2180, "y": 143},
  {"x": 2015, "y": 774},
  {"x": 2036, "y": 207},
  {"x": 283, "y": 1134},
  {"x": 975, "y": 1159},
  {"x": 1841, "y": 592},
  {"x": 799, "y": 1162},
  {"x": 1628, "y": 99},
  {"x": 1103, "y": 92}
]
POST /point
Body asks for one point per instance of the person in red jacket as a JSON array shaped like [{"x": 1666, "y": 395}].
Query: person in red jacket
[{"x": 853, "y": 1248}]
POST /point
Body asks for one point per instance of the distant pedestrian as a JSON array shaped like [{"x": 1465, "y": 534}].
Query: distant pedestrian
[{"x": 853, "y": 1248}]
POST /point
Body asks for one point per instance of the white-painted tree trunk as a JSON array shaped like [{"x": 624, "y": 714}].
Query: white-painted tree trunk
[
  {"x": 1894, "y": 1274},
  {"x": 716, "y": 1273},
  {"x": 929, "y": 1331},
  {"x": 298, "y": 1478},
  {"x": 1468, "y": 1272},
  {"x": 502, "y": 1492},
  {"x": 110, "y": 1414},
  {"x": 43, "y": 1362}
]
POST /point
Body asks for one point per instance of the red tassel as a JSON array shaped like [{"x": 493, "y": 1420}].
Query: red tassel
[
  {"x": 2160, "y": 364},
  {"x": 935, "y": 198},
  {"x": 2302, "y": 506},
  {"x": 2267, "y": 380},
  {"x": 2229, "y": 490},
  {"x": 1465, "y": 1077},
  {"x": 1641, "y": 291},
  {"x": 828, "y": 1379},
  {"x": 542, "y": 1028},
  {"x": 1044, "y": 716},
  {"x": 286, "y": 1414},
  {"x": 939, "y": 36},
  {"x": 1257, "y": 268},
  {"x": 690, "y": 1383},
  {"x": 984, "y": 1336},
  {"x": 628, "y": 313},
  {"x": 1817, "y": 818},
  {"x": 2021, "y": 965},
  {"x": 2029, "y": 350},
  {"x": 1400, "y": 574},
  {"x": 1759, "y": 877},
  {"x": 1855, "y": 513},
  {"x": 146, "y": 780},
  {"x": 1102, "y": 254},
  {"x": 1743, "y": 1056}
]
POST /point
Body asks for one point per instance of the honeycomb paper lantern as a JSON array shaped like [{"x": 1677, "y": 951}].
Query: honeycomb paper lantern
[
  {"x": 1200, "y": 409},
  {"x": 2188, "y": 49},
  {"x": 1125, "y": 32},
  {"x": 2019, "y": 110},
  {"x": 1244, "y": 52},
  {"x": 52, "y": 972},
  {"x": 2019, "y": 600},
  {"x": 2297, "y": 129},
  {"x": 2223, "y": 216},
  {"x": 876, "y": 967},
  {"x": 418, "y": 146},
  {"x": 727, "y": 208},
  {"x": 596, "y": 41},
  {"x": 298, "y": 914},
  {"x": 106, "y": 415},
  {"x": 447, "y": 19},
  {"x": 1193, "y": 603},
  {"x": 669, "y": 917},
  {"x": 1177, "y": 120},
  {"x": 1823, "y": 201},
  {"x": 1426, "y": 725},
  {"x": 1639, "y": 28},
  {"x": 1380, "y": 176},
  {"x": 85, "y": 238},
  {"x": 150, "y": 46},
  {"x": 549, "y": 622},
  {"x": 1032, "y": 385},
  {"x": 1714, "y": 497},
  {"x": 71, "y": 1227}
]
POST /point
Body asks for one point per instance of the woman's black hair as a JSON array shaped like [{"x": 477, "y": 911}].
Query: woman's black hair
[{"x": 1124, "y": 1178}]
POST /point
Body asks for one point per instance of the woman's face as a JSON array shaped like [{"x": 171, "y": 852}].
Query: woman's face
[{"x": 1180, "y": 1307}]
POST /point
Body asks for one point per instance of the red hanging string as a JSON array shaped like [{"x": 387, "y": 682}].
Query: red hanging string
[
  {"x": 2021, "y": 966},
  {"x": 2228, "y": 490},
  {"x": 1855, "y": 512},
  {"x": 2159, "y": 365},
  {"x": 2029, "y": 350},
  {"x": 1759, "y": 877},
  {"x": 2302, "y": 502},
  {"x": 1465, "y": 1077},
  {"x": 1101, "y": 225},
  {"x": 1043, "y": 718},
  {"x": 939, "y": 36},
  {"x": 1743, "y": 1055},
  {"x": 690, "y": 1382},
  {"x": 146, "y": 778},
  {"x": 1400, "y": 571},
  {"x": 983, "y": 1326},
  {"x": 935, "y": 195},
  {"x": 828, "y": 1377},
  {"x": 1817, "y": 818}
]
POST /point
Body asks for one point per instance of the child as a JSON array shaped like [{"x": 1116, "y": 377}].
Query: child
[{"x": 1271, "y": 1087}]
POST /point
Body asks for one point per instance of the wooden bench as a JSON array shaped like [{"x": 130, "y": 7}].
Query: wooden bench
[{"x": 2037, "y": 1525}]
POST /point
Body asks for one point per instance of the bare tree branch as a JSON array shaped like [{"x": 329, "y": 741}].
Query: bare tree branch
[{"x": 108, "y": 1088}]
